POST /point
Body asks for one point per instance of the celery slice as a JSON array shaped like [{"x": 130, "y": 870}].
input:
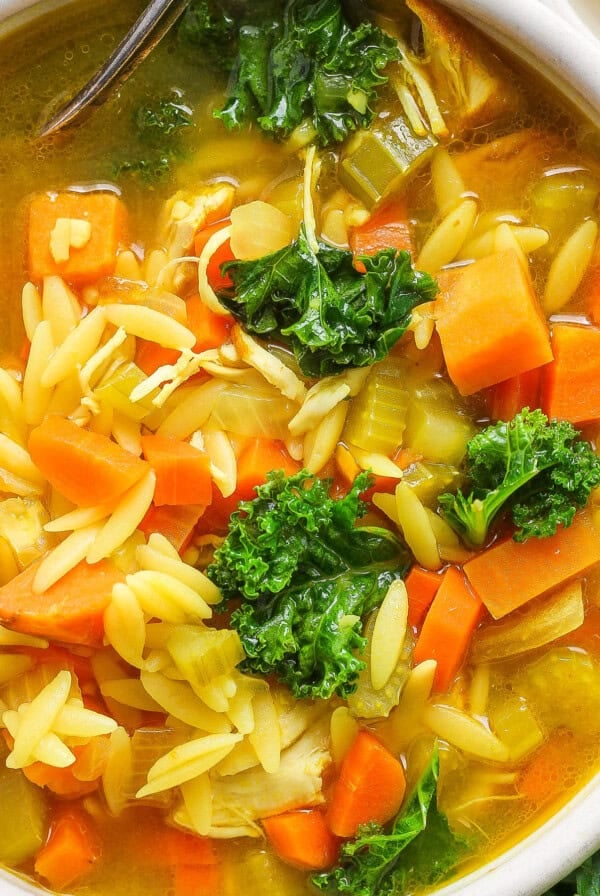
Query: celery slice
[
  {"x": 512, "y": 720},
  {"x": 202, "y": 655},
  {"x": 23, "y": 816},
  {"x": 378, "y": 161},
  {"x": 117, "y": 388},
  {"x": 430, "y": 480},
  {"x": 378, "y": 414}
]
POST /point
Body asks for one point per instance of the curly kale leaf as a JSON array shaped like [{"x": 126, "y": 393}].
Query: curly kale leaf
[
  {"x": 332, "y": 316},
  {"x": 208, "y": 31},
  {"x": 157, "y": 126},
  {"x": 308, "y": 64},
  {"x": 541, "y": 472},
  {"x": 306, "y": 575},
  {"x": 419, "y": 848}
]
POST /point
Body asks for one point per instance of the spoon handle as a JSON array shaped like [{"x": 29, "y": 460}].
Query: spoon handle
[{"x": 142, "y": 37}]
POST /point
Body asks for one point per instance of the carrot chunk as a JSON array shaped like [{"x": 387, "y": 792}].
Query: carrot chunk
[
  {"x": 97, "y": 256},
  {"x": 72, "y": 848},
  {"x": 421, "y": 586},
  {"x": 71, "y": 610},
  {"x": 509, "y": 574},
  {"x": 543, "y": 778},
  {"x": 196, "y": 880},
  {"x": 213, "y": 272},
  {"x": 448, "y": 628},
  {"x": 388, "y": 228},
  {"x": 86, "y": 467},
  {"x": 508, "y": 398},
  {"x": 211, "y": 330},
  {"x": 571, "y": 384},
  {"x": 490, "y": 323},
  {"x": 177, "y": 524},
  {"x": 182, "y": 471},
  {"x": 303, "y": 839},
  {"x": 370, "y": 787}
]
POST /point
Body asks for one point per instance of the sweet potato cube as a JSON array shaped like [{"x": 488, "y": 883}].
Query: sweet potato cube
[
  {"x": 571, "y": 384},
  {"x": 86, "y": 259},
  {"x": 490, "y": 323}
]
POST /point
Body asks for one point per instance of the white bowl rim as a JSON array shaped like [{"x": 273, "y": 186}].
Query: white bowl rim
[{"x": 570, "y": 58}]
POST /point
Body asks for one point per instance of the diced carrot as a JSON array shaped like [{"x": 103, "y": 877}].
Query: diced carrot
[
  {"x": 182, "y": 471},
  {"x": 508, "y": 398},
  {"x": 370, "y": 787},
  {"x": 171, "y": 847},
  {"x": 543, "y": 777},
  {"x": 211, "y": 330},
  {"x": 60, "y": 781},
  {"x": 213, "y": 272},
  {"x": 71, "y": 610},
  {"x": 72, "y": 848},
  {"x": 302, "y": 839},
  {"x": 196, "y": 880},
  {"x": 57, "y": 655},
  {"x": 78, "y": 779},
  {"x": 86, "y": 467},
  {"x": 571, "y": 384},
  {"x": 345, "y": 464},
  {"x": 97, "y": 257},
  {"x": 422, "y": 586},
  {"x": 448, "y": 628},
  {"x": 149, "y": 356},
  {"x": 510, "y": 573},
  {"x": 490, "y": 323},
  {"x": 387, "y": 228},
  {"x": 257, "y": 458},
  {"x": 177, "y": 524}
]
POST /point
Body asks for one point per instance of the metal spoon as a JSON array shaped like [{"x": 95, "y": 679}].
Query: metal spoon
[{"x": 142, "y": 37}]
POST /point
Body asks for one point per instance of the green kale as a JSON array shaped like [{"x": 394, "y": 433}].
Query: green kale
[
  {"x": 308, "y": 64},
  {"x": 157, "y": 126},
  {"x": 539, "y": 471},
  {"x": 418, "y": 849},
  {"x": 208, "y": 30},
  {"x": 156, "y": 121},
  {"x": 306, "y": 575},
  {"x": 332, "y": 316}
]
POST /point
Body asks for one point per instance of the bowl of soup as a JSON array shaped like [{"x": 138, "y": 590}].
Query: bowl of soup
[{"x": 299, "y": 483}]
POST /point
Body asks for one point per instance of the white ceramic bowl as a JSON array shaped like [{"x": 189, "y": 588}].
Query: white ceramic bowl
[{"x": 551, "y": 35}]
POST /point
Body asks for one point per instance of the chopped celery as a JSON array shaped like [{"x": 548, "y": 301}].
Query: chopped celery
[
  {"x": 377, "y": 417},
  {"x": 248, "y": 410},
  {"x": 253, "y": 870},
  {"x": 22, "y": 523},
  {"x": 204, "y": 654},
  {"x": 438, "y": 433},
  {"x": 23, "y": 817},
  {"x": 116, "y": 389},
  {"x": 512, "y": 720},
  {"x": 430, "y": 480},
  {"x": 378, "y": 161},
  {"x": 536, "y": 625},
  {"x": 366, "y": 702},
  {"x": 561, "y": 200}
]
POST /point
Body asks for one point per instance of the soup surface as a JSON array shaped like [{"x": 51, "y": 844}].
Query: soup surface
[{"x": 299, "y": 404}]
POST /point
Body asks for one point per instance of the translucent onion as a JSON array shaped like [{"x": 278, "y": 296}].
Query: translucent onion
[
  {"x": 258, "y": 228},
  {"x": 250, "y": 411}
]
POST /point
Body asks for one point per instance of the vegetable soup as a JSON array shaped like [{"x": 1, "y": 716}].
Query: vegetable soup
[{"x": 299, "y": 412}]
